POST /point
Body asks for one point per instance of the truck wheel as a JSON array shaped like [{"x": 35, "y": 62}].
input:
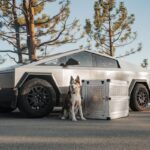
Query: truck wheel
[
  {"x": 36, "y": 98},
  {"x": 139, "y": 98}
]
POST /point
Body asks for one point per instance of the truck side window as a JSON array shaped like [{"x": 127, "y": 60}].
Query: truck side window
[
  {"x": 105, "y": 62},
  {"x": 55, "y": 62},
  {"x": 84, "y": 58}
]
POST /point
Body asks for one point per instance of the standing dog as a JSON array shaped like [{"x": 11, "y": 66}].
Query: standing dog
[{"x": 72, "y": 102}]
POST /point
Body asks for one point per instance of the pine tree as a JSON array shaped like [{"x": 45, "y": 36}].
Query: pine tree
[
  {"x": 58, "y": 32},
  {"x": 36, "y": 29},
  {"x": 111, "y": 27}
]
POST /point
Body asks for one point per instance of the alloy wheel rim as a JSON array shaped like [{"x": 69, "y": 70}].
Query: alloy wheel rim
[
  {"x": 142, "y": 97},
  {"x": 38, "y": 97}
]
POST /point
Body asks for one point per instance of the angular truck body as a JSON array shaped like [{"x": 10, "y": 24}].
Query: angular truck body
[{"x": 37, "y": 87}]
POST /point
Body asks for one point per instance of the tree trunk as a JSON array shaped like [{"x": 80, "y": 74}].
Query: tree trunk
[
  {"x": 17, "y": 31},
  {"x": 110, "y": 37},
  {"x": 26, "y": 15},
  {"x": 29, "y": 17},
  {"x": 32, "y": 31}
]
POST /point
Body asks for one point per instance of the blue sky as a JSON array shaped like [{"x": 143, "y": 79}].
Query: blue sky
[{"x": 82, "y": 9}]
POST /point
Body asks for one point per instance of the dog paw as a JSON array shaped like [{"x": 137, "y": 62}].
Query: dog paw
[
  {"x": 74, "y": 120},
  {"x": 83, "y": 118},
  {"x": 63, "y": 118}
]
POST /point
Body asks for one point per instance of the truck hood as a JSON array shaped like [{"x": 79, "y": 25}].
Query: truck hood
[{"x": 131, "y": 67}]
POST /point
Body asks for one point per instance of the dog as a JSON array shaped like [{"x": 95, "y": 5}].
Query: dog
[{"x": 72, "y": 103}]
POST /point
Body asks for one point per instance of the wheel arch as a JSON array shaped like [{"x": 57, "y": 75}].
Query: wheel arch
[
  {"x": 46, "y": 76},
  {"x": 138, "y": 81}
]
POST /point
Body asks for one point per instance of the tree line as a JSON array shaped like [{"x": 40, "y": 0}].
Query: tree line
[{"x": 30, "y": 31}]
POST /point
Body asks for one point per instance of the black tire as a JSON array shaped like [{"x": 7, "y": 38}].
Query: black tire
[
  {"x": 139, "y": 98},
  {"x": 36, "y": 98},
  {"x": 6, "y": 110}
]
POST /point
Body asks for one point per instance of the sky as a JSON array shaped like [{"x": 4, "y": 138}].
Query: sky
[{"x": 82, "y": 9}]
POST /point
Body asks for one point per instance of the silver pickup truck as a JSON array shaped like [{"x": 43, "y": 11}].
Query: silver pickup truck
[{"x": 37, "y": 87}]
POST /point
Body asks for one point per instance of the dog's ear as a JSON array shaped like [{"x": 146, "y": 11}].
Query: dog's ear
[
  {"x": 78, "y": 79},
  {"x": 71, "y": 80}
]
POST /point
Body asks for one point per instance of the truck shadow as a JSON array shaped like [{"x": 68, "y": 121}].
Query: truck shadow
[
  {"x": 14, "y": 114},
  {"x": 56, "y": 115},
  {"x": 19, "y": 115}
]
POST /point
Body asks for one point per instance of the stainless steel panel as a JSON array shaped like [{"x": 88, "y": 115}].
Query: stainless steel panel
[{"x": 62, "y": 74}]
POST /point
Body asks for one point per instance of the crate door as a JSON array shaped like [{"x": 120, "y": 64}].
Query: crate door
[{"x": 94, "y": 93}]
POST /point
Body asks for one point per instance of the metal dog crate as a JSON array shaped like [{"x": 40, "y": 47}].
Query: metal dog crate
[{"x": 105, "y": 99}]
